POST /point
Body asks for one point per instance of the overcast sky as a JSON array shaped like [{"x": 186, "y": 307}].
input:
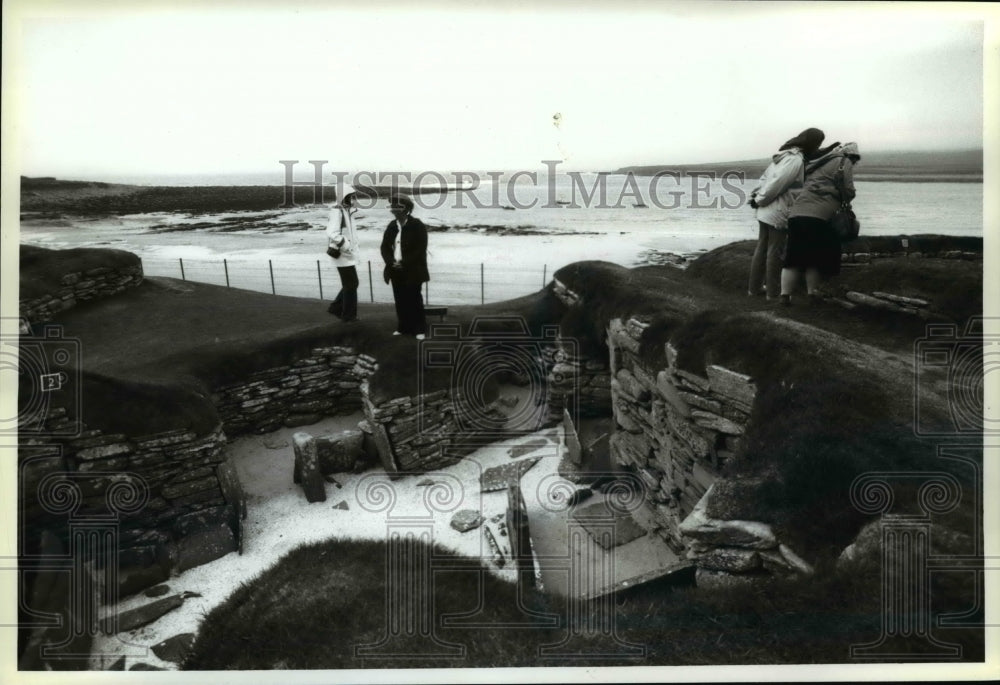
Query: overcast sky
[{"x": 236, "y": 89}]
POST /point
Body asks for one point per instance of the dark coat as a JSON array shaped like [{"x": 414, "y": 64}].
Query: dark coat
[{"x": 413, "y": 248}]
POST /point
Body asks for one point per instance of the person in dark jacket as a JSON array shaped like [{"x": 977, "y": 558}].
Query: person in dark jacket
[
  {"x": 404, "y": 250},
  {"x": 773, "y": 198},
  {"x": 813, "y": 246}
]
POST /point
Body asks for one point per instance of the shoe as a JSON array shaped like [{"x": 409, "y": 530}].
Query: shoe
[
  {"x": 396, "y": 333},
  {"x": 815, "y": 299},
  {"x": 786, "y": 300},
  {"x": 351, "y": 320},
  {"x": 420, "y": 336}
]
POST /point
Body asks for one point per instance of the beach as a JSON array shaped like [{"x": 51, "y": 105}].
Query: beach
[{"x": 476, "y": 254}]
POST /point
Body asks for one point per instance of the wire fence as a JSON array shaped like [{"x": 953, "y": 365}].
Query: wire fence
[{"x": 453, "y": 284}]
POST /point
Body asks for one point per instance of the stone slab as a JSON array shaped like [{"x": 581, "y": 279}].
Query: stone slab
[
  {"x": 466, "y": 520},
  {"x": 174, "y": 649},
  {"x": 499, "y": 477},
  {"x": 599, "y": 520}
]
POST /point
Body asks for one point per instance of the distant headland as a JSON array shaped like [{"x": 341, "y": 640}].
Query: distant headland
[{"x": 933, "y": 166}]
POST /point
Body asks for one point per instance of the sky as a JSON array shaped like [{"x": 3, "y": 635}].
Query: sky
[{"x": 120, "y": 88}]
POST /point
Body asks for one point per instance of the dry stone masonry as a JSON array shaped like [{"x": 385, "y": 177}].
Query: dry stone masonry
[
  {"x": 80, "y": 286},
  {"x": 326, "y": 383},
  {"x": 853, "y": 257},
  {"x": 429, "y": 431},
  {"x": 675, "y": 429},
  {"x": 728, "y": 553},
  {"x": 178, "y": 499},
  {"x": 570, "y": 373}
]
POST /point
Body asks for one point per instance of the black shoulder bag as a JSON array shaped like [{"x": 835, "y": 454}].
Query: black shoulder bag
[{"x": 845, "y": 223}]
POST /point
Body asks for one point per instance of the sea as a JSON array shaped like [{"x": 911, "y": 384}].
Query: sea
[{"x": 494, "y": 235}]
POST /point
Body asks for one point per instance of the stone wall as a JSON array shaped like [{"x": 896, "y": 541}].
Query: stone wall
[
  {"x": 81, "y": 286},
  {"x": 176, "y": 498},
  {"x": 325, "y": 383},
  {"x": 190, "y": 504},
  {"x": 430, "y": 431},
  {"x": 674, "y": 428},
  {"x": 571, "y": 372},
  {"x": 853, "y": 257},
  {"x": 733, "y": 552}
]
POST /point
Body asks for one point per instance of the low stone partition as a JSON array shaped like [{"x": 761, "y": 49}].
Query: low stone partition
[
  {"x": 76, "y": 285},
  {"x": 675, "y": 429},
  {"x": 734, "y": 552},
  {"x": 571, "y": 372},
  {"x": 572, "y": 377},
  {"x": 176, "y": 499},
  {"x": 852, "y": 257},
  {"x": 326, "y": 383},
  {"x": 429, "y": 431}
]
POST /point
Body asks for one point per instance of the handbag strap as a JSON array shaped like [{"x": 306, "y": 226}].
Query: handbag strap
[{"x": 838, "y": 183}]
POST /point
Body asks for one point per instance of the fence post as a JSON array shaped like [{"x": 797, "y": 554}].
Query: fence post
[
  {"x": 371, "y": 288},
  {"x": 319, "y": 275},
  {"x": 545, "y": 272},
  {"x": 181, "y": 260},
  {"x": 271, "y": 267},
  {"x": 225, "y": 264},
  {"x": 482, "y": 284}
]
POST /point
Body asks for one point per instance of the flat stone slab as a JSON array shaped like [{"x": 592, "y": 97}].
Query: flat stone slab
[
  {"x": 274, "y": 442},
  {"x": 466, "y": 520},
  {"x": 597, "y": 519},
  {"x": 157, "y": 591},
  {"x": 144, "y": 615},
  {"x": 497, "y": 541},
  {"x": 527, "y": 448},
  {"x": 145, "y": 667},
  {"x": 174, "y": 648},
  {"x": 498, "y": 477},
  {"x": 640, "y": 579}
]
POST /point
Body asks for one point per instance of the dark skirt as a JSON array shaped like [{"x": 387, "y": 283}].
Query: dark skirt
[{"x": 812, "y": 244}]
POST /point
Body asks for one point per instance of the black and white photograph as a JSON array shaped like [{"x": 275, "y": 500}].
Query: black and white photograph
[{"x": 499, "y": 341}]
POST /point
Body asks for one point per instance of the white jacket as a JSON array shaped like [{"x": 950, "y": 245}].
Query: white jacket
[
  {"x": 780, "y": 183},
  {"x": 341, "y": 226}
]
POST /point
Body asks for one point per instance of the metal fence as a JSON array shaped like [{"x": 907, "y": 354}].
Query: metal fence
[{"x": 450, "y": 283}]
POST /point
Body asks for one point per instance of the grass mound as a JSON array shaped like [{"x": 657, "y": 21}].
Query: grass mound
[
  {"x": 321, "y": 601},
  {"x": 42, "y": 269}
]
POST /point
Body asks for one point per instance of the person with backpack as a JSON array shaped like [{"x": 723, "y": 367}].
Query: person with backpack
[
  {"x": 772, "y": 200},
  {"x": 813, "y": 245},
  {"x": 342, "y": 246}
]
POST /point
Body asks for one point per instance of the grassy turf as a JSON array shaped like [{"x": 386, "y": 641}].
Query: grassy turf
[
  {"x": 42, "y": 269},
  {"x": 321, "y": 601}
]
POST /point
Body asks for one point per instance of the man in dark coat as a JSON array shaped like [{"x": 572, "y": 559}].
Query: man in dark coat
[{"x": 404, "y": 250}]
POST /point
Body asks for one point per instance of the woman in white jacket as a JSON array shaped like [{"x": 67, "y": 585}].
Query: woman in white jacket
[
  {"x": 342, "y": 246},
  {"x": 779, "y": 184}
]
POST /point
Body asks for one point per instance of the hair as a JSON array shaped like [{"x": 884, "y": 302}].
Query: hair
[{"x": 402, "y": 200}]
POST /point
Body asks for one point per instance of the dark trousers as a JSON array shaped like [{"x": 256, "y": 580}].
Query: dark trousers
[
  {"x": 409, "y": 307},
  {"x": 348, "y": 295}
]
